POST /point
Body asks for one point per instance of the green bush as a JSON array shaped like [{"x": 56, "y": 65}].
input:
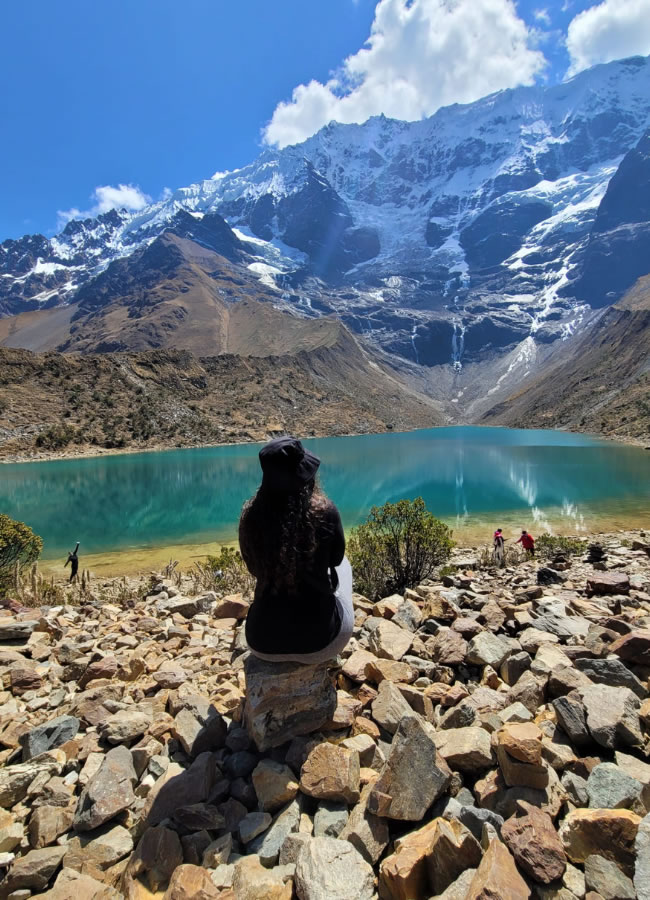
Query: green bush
[
  {"x": 225, "y": 573},
  {"x": 549, "y": 545},
  {"x": 56, "y": 437},
  {"x": 19, "y": 547},
  {"x": 397, "y": 547}
]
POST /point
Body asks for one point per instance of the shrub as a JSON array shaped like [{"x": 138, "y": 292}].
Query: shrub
[
  {"x": 56, "y": 437},
  {"x": 225, "y": 573},
  {"x": 19, "y": 548},
  {"x": 398, "y": 546},
  {"x": 549, "y": 545}
]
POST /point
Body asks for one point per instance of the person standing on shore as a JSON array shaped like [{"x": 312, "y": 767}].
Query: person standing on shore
[
  {"x": 73, "y": 559},
  {"x": 527, "y": 541},
  {"x": 499, "y": 547}
]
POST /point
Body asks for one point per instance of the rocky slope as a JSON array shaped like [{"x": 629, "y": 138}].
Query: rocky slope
[
  {"x": 486, "y": 736},
  {"x": 477, "y": 237},
  {"x": 52, "y": 403},
  {"x": 599, "y": 382}
]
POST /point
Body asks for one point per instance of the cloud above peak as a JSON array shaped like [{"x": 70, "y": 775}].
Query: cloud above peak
[
  {"x": 610, "y": 30},
  {"x": 106, "y": 197},
  {"x": 420, "y": 55}
]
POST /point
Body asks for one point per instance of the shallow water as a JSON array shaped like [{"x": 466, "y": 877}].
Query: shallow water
[{"x": 474, "y": 478}]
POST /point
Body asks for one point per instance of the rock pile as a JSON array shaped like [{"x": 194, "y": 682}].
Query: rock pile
[{"x": 483, "y": 737}]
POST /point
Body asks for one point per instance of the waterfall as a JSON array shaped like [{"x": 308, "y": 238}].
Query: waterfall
[
  {"x": 457, "y": 345},
  {"x": 414, "y": 333}
]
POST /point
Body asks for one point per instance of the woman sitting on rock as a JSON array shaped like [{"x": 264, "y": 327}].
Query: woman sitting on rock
[{"x": 292, "y": 541}]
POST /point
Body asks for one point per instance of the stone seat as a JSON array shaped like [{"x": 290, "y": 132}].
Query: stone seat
[{"x": 285, "y": 700}]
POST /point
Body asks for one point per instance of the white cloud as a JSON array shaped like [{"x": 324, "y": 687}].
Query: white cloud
[
  {"x": 543, "y": 16},
  {"x": 611, "y": 30},
  {"x": 421, "y": 55},
  {"x": 106, "y": 197}
]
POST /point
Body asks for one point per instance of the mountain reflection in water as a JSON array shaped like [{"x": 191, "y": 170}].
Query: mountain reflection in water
[{"x": 466, "y": 475}]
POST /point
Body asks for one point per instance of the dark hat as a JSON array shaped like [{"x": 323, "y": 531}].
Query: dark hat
[{"x": 286, "y": 465}]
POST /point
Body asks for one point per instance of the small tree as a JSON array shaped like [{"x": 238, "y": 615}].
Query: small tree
[
  {"x": 399, "y": 545},
  {"x": 549, "y": 545},
  {"x": 19, "y": 548}
]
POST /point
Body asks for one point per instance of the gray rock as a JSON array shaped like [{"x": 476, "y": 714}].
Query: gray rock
[
  {"x": 605, "y": 878},
  {"x": 612, "y": 715},
  {"x": 125, "y": 725},
  {"x": 459, "y": 890},
  {"x": 642, "y": 864},
  {"x": 12, "y": 630},
  {"x": 552, "y": 618},
  {"x": 48, "y": 736},
  {"x": 408, "y": 615},
  {"x": 330, "y": 819},
  {"x": 513, "y": 667},
  {"x": 460, "y": 716},
  {"x": 486, "y": 649},
  {"x": 292, "y": 847},
  {"x": 474, "y": 819},
  {"x": 15, "y": 780},
  {"x": 411, "y": 779},
  {"x": 571, "y": 715},
  {"x": 268, "y": 845},
  {"x": 252, "y": 825},
  {"x": 390, "y": 707},
  {"x": 108, "y": 792},
  {"x": 34, "y": 869},
  {"x": 284, "y": 700},
  {"x": 609, "y": 787},
  {"x": 366, "y": 832},
  {"x": 576, "y": 788},
  {"x": 328, "y": 869},
  {"x": 612, "y": 672}
]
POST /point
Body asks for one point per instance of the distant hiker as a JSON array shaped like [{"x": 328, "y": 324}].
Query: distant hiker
[
  {"x": 499, "y": 547},
  {"x": 292, "y": 541},
  {"x": 527, "y": 541},
  {"x": 73, "y": 559}
]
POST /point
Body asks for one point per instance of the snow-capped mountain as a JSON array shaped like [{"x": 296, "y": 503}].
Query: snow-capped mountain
[{"x": 458, "y": 238}]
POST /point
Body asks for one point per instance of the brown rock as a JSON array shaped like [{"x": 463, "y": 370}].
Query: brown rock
[
  {"x": 231, "y": 607},
  {"x": 390, "y": 707},
  {"x": 389, "y": 641},
  {"x": 274, "y": 784},
  {"x": 606, "y": 832},
  {"x": 251, "y": 881},
  {"x": 633, "y": 648},
  {"x": 101, "y": 668},
  {"x": 24, "y": 679},
  {"x": 608, "y": 583},
  {"x": 34, "y": 869},
  {"x": 522, "y": 741},
  {"x": 354, "y": 666},
  {"x": 71, "y": 885},
  {"x": 347, "y": 709},
  {"x": 454, "y": 850},
  {"x": 465, "y": 749},
  {"x": 108, "y": 792},
  {"x": 367, "y": 833},
  {"x": 449, "y": 648},
  {"x": 155, "y": 858},
  {"x": 47, "y": 823},
  {"x": 379, "y": 669},
  {"x": 191, "y": 883},
  {"x": 535, "y": 844},
  {"x": 331, "y": 772},
  {"x": 497, "y": 877},
  {"x": 403, "y": 875}
]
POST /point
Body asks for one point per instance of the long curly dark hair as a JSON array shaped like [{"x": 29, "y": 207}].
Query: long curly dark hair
[{"x": 277, "y": 531}]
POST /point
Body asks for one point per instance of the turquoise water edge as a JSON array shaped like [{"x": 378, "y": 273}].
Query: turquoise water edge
[{"x": 472, "y": 477}]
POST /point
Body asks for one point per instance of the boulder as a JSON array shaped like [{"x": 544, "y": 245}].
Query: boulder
[
  {"x": 413, "y": 776},
  {"x": 48, "y": 736},
  {"x": 403, "y": 874},
  {"x": 108, "y": 792},
  {"x": 15, "y": 780},
  {"x": 389, "y": 641},
  {"x": 497, "y": 876},
  {"x": 274, "y": 784},
  {"x": 633, "y": 648},
  {"x": 331, "y": 772},
  {"x": 252, "y": 881},
  {"x": 389, "y": 707},
  {"x": 329, "y": 869},
  {"x": 606, "y": 879},
  {"x": 366, "y": 832},
  {"x": 486, "y": 649},
  {"x": 612, "y": 715},
  {"x": 603, "y": 583},
  {"x": 34, "y": 869},
  {"x": 606, "y": 832},
  {"x": 70, "y": 884},
  {"x": 612, "y": 672},
  {"x": 642, "y": 864},
  {"x": 284, "y": 700},
  {"x": 535, "y": 844},
  {"x": 268, "y": 845},
  {"x": 522, "y": 741},
  {"x": 465, "y": 749},
  {"x": 609, "y": 787}
]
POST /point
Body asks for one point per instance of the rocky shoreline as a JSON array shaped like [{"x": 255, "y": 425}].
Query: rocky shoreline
[{"x": 485, "y": 735}]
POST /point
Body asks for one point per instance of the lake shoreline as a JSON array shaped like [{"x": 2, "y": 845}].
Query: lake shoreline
[{"x": 90, "y": 452}]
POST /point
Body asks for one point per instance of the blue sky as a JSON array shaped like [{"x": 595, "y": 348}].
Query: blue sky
[{"x": 105, "y": 103}]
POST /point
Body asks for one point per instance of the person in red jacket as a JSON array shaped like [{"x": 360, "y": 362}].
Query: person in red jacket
[{"x": 527, "y": 541}]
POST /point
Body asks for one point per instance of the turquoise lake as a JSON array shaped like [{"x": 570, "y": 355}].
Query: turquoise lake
[{"x": 474, "y": 478}]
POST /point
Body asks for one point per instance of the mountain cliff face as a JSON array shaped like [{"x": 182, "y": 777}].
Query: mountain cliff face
[
  {"x": 598, "y": 382},
  {"x": 468, "y": 244}
]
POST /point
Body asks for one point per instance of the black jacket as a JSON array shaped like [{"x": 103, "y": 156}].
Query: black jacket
[{"x": 305, "y": 619}]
